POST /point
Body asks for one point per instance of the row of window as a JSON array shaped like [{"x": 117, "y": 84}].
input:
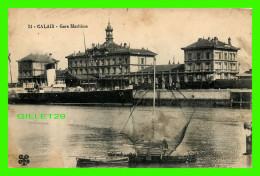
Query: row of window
[
  {"x": 199, "y": 56},
  {"x": 98, "y": 62},
  {"x": 209, "y": 66},
  {"x": 112, "y": 70},
  {"x": 210, "y": 76},
  {"x": 208, "y": 55},
  {"x": 80, "y": 63},
  {"x": 226, "y": 56}
]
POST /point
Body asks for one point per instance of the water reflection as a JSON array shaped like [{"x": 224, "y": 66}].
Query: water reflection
[{"x": 216, "y": 135}]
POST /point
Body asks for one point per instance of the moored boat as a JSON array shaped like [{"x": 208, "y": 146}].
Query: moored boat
[{"x": 115, "y": 160}]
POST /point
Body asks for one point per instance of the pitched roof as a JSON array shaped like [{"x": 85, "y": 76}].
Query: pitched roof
[
  {"x": 133, "y": 52},
  {"x": 114, "y": 48},
  {"x": 38, "y": 58},
  {"x": 109, "y": 45},
  {"x": 76, "y": 54},
  {"x": 160, "y": 68},
  {"x": 214, "y": 44}
]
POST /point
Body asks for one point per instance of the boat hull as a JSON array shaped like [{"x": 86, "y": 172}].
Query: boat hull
[
  {"x": 132, "y": 160},
  {"x": 85, "y": 162},
  {"x": 93, "y": 97}
]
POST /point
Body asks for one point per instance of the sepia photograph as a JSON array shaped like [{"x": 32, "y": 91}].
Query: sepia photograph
[{"x": 129, "y": 88}]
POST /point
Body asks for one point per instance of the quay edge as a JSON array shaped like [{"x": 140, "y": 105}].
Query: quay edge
[{"x": 234, "y": 98}]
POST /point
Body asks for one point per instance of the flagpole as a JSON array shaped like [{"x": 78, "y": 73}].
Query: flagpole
[
  {"x": 9, "y": 59},
  {"x": 154, "y": 81}
]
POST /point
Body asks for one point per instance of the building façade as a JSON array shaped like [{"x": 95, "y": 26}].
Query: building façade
[
  {"x": 209, "y": 60},
  {"x": 109, "y": 60},
  {"x": 32, "y": 68}
]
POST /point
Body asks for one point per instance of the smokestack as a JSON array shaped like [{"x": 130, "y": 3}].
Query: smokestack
[
  {"x": 169, "y": 62},
  {"x": 51, "y": 74},
  {"x": 229, "y": 40},
  {"x": 215, "y": 40}
]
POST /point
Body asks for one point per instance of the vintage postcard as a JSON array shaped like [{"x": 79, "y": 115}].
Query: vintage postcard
[{"x": 138, "y": 88}]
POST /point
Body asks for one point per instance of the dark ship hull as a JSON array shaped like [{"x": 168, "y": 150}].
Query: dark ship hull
[{"x": 91, "y": 97}]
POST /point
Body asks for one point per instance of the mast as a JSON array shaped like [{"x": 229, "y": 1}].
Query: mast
[
  {"x": 86, "y": 57},
  {"x": 154, "y": 81}
]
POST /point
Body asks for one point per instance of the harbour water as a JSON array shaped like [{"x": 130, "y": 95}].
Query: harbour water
[{"x": 217, "y": 135}]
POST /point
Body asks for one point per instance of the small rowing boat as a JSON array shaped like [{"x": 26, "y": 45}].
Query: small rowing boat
[{"x": 115, "y": 160}]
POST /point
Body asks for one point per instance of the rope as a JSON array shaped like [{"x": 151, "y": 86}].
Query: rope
[
  {"x": 177, "y": 101},
  {"x": 133, "y": 110}
]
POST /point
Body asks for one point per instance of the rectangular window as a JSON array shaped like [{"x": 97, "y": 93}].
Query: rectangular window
[
  {"x": 218, "y": 65},
  {"x": 198, "y": 67},
  {"x": 219, "y": 55},
  {"x": 142, "y": 61},
  {"x": 207, "y": 66},
  {"x": 189, "y": 56},
  {"x": 225, "y": 66},
  {"x": 198, "y": 56},
  {"x": 230, "y": 56},
  {"x": 189, "y": 67},
  {"x": 225, "y": 55},
  {"x": 208, "y": 55},
  {"x": 114, "y": 70},
  {"x": 198, "y": 77}
]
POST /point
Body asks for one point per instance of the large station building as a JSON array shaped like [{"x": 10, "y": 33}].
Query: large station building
[{"x": 109, "y": 59}]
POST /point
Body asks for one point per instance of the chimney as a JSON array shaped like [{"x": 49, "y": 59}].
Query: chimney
[
  {"x": 93, "y": 45},
  {"x": 215, "y": 40},
  {"x": 229, "y": 40},
  {"x": 169, "y": 62},
  {"x": 208, "y": 38},
  {"x": 173, "y": 62},
  {"x": 50, "y": 56},
  {"x": 124, "y": 45}
]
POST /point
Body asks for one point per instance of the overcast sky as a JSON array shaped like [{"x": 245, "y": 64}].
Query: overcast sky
[{"x": 163, "y": 31}]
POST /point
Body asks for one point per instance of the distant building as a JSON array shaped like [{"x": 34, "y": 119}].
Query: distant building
[
  {"x": 167, "y": 76},
  {"x": 32, "y": 68},
  {"x": 109, "y": 59},
  {"x": 209, "y": 60}
]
